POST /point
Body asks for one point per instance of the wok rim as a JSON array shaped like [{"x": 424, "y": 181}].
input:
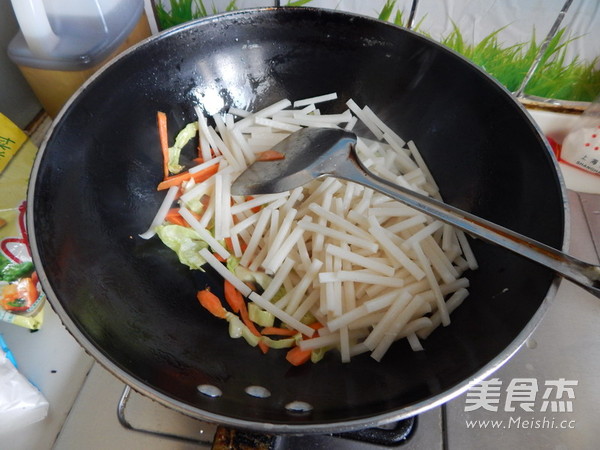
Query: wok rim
[{"x": 284, "y": 428}]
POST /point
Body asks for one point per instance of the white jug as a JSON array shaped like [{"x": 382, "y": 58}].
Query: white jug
[
  {"x": 62, "y": 42},
  {"x": 71, "y": 34}
]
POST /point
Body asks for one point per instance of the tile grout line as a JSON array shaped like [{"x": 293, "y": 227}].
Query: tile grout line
[
  {"x": 75, "y": 400},
  {"x": 590, "y": 205}
]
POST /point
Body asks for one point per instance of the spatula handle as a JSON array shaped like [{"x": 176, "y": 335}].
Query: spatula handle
[{"x": 581, "y": 273}]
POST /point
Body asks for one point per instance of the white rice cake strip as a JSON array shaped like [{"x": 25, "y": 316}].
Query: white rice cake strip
[
  {"x": 369, "y": 245},
  {"x": 243, "y": 144},
  {"x": 369, "y": 306},
  {"x": 318, "y": 238},
  {"x": 467, "y": 251},
  {"x": 204, "y": 233},
  {"x": 435, "y": 287},
  {"x": 278, "y": 125},
  {"x": 274, "y": 108},
  {"x": 316, "y": 99},
  {"x": 328, "y": 340},
  {"x": 344, "y": 345},
  {"x": 282, "y": 234},
  {"x": 245, "y": 223},
  {"x": 422, "y": 234},
  {"x": 363, "y": 261},
  {"x": 206, "y": 164},
  {"x": 382, "y": 126},
  {"x": 204, "y": 128},
  {"x": 364, "y": 118},
  {"x": 277, "y": 281},
  {"x": 307, "y": 304},
  {"x": 239, "y": 112},
  {"x": 385, "y": 324},
  {"x": 257, "y": 235},
  {"x": 439, "y": 261},
  {"x": 163, "y": 209},
  {"x": 257, "y": 201},
  {"x": 268, "y": 111},
  {"x": 282, "y": 252},
  {"x": 208, "y": 213},
  {"x": 414, "y": 342},
  {"x": 401, "y": 320},
  {"x": 421, "y": 163},
  {"x": 237, "y": 247},
  {"x": 225, "y": 273},
  {"x": 407, "y": 224},
  {"x": 300, "y": 289},
  {"x": 281, "y": 315},
  {"x": 410, "y": 327},
  {"x": 219, "y": 205},
  {"x": 436, "y": 319},
  {"x": 351, "y": 123},
  {"x": 360, "y": 276},
  {"x": 402, "y": 159},
  {"x": 396, "y": 252},
  {"x": 308, "y": 121}
]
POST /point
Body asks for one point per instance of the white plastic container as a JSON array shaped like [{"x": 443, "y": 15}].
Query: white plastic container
[{"x": 62, "y": 42}]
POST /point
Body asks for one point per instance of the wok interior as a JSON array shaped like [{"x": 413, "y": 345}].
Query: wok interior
[{"x": 133, "y": 305}]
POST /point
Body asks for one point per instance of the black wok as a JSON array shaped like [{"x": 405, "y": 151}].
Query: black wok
[{"x": 132, "y": 306}]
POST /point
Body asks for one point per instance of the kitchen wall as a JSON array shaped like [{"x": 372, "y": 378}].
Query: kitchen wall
[
  {"x": 17, "y": 101},
  {"x": 459, "y": 23}
]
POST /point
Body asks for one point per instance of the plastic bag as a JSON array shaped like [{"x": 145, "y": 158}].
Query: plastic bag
[
  {"x": 21, "y": 298},
  {"x": 581, "y": 147},
  {"x": 21, "y": 404}
]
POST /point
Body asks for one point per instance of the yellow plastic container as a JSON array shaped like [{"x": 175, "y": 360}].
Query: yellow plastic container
[{"x": 63, "y": 42}]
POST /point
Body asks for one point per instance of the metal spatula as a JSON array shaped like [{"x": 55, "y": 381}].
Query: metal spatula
[{"x": 317, "y": 152}]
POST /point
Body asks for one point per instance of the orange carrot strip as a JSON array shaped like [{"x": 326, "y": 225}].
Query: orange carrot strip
[
  {"x": 270, "y": 155},
  {"x": 246, "y": 319},
  {"x": 278, "y": 331},
  {"x": 315, "y": 326},
  {"x": 264, "y": 347},
  {"x": 256, "y": 208},
  {"x": 219, "y": 257},
  {"x": 212, "y": 303},
  {"x": 236, "y": 301},
  {"x": 233, "y": 297},
  {"x": 252, "y": 327},
  {"x": 161, "y": 120},
  {"x": 175, "y": 218},
  {"x": 296, "y": 356},
  {"x": 198, "y": 177}
]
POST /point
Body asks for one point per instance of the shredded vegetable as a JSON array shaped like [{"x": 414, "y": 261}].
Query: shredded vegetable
[{"x": 330, "y": 265}]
